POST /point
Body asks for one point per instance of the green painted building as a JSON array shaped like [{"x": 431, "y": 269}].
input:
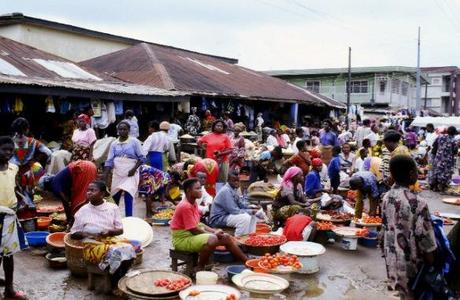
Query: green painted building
[{"x": 391, "y": 86}]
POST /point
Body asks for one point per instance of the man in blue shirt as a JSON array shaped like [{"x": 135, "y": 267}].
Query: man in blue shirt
[
  {"x": 313, "y": 187},
  {"x": 334, "y": 169},
  {"x": 365, "y": 183},
  {"x": 227, "y": 209},
  {"x": 327, "y": 137}
]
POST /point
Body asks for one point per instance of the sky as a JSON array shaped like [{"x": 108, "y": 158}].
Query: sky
[{"x": 275, "y": 34}]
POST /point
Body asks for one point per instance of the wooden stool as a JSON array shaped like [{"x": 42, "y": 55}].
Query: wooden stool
[
  {"x": 179, "y": 258},
  {"x": 93, "y": 272}
]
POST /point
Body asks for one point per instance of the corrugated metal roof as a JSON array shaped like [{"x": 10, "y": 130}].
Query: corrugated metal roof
[
  {"x": 174, "y": 69},
  {"x": 383, "y": 69},
  {"x": 443, "y": 69},
  {"x": 38, "y": 68}
]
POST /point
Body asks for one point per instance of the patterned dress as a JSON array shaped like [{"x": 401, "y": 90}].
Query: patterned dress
[
  {"x": 193, "y": 124},
  {"x": 443, "y": 161},
  {"x": 406, "y": 234}
]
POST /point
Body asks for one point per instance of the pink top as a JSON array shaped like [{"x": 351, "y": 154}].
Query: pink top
[
  {"x": 97, "y": 219},
  {"x": 84, "y": 137},
  {"x": 186, "y": 216}
]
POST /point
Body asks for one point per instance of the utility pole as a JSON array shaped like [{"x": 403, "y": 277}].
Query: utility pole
[
  {"x": 417, "y": 78},
  {"x": 348, "y": 87}
]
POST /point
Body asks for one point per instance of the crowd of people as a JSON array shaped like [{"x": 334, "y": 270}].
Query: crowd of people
[{"x": 381, "y": 161}]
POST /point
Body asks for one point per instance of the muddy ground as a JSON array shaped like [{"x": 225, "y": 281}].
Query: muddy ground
[{"x": 344, "y": 274}]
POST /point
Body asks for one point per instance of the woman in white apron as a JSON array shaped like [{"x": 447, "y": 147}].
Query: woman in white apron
[{"x": 125, "y": 157}]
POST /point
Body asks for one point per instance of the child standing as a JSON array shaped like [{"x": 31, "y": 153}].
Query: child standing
[
  {"x": 334, "y": 169},
  {"x": 407, "y": 236},
  {"x": 10, "y": 239}
]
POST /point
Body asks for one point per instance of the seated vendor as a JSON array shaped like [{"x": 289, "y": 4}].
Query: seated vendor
[
  {"x": 300, "y": 227},
  {"x": 313, "y": 187},
  {"x": 229, "y": 211},
  {"x": 266, "y": 163},
  {"x": 290, "y": 198},
  {"x": 365, "y": 183},
  {"x": 204, "y": 203},
  {"x": 98, "y": 223},
  {"x": 152, "y": 184},
  {"x": 188, "y": 234}
]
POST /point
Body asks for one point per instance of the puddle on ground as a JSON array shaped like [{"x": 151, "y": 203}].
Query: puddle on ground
[{"x": 313, "y": 287}]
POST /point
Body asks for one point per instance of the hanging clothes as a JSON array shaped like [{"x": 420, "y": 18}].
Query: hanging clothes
[
  {"x": 101, "y": 122},
  {"x": 50, "y": 108},
  {"x": 65, "y": 107},
  {"x": 96, "y": 105},
  {"x": 18, "y": 106},
  {"x": 111, "y": 112},
  {"x": 118, "y": 107},
  {"x": 6, "y": 106}
]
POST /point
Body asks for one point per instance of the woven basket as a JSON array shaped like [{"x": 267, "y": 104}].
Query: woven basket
[{"x": 74, "y": 256}]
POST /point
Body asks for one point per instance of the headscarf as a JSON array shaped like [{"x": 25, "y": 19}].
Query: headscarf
[
  {"x": 314, "y": 153},
  {"x": 85, "y": 118},
  {"x": 316, "y": 162},
  {"x": 239, "y": 126},
  {"x": 164, "y": 125},
  {"x": 289, "y": 174}
]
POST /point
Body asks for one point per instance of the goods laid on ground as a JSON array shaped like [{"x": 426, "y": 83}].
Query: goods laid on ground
[
  {"x": 333, "y": 216},
  {"x": 214, "y": 291},
  {"x": 280, "y": 263},
  {"x": 165, "y": 214},
  {"x": 324, "y": 225},
  {"x": 260, "y": 283},
  {"x": 259, "y": 244},
  {"x": 307, "y": 253},
  {"x": 454, "y": 201},
  {"x": 172, "y": 284}
]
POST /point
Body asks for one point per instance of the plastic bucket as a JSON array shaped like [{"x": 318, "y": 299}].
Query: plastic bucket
[{"x": 349, "y": 243}]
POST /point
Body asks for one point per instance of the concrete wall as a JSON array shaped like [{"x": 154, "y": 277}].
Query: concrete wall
[{"x": 72, "y": 46}]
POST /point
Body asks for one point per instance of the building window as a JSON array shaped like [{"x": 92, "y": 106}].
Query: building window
[
  {"x": 435, "y": 81},
  {"x": 313, "y": 85},
  {"x": 446, "y": 84},
  {"x": 382, "y": 86},
  {"x": 395, "y": 83},
  {"x": 404, "y": 88},
  {"x": 359, "y": 86}
]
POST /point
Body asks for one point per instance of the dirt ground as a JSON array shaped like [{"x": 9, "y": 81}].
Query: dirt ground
[{"x": 344, "y": 274}]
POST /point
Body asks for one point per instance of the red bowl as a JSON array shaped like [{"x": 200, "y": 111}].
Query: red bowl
[{"x": 56, "y": 239}]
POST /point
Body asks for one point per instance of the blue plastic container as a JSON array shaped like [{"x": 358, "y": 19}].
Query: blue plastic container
[
  {"x": 223, "y": 257},
  {"x": 233, "y": 270},
  {"x": 37, "y": 238},
  {"x": 369, "y": 241}
]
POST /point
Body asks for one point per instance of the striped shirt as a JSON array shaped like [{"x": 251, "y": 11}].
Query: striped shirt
[{"x": 97, "y": 219}]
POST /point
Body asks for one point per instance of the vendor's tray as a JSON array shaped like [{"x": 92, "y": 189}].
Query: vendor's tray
[
  {"x": 453, "y": 216},
  {"x": 143, "y": 283},
  {"x": 301, "y": 248},
  {"x": 333, "y": 216},
  {"x": 131, "y": 295},
  {"x": 258, "y": 247},
  {"x": 348, "y": 232},
  {"x": 260, "y": 283},
  {"x": 367, "y": 221},
  {"x": 454, "y": 201},
  {"x": 209, "y": 292}
]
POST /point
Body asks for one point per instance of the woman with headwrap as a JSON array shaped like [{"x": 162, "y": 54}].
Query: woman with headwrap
[
  {"x": 209, "y": 120},
  {"x": 211, "y": 169},
  {"x": 193, "y": 123},
  {"x": 217, "y": 145},
  {"x": 290, "y": 198},
  {"x": 70, "y": 185},
  {"x": 29, "y": 155},
  {"x": 239, "y": 150},
  {"x": 83, "y": 139}
]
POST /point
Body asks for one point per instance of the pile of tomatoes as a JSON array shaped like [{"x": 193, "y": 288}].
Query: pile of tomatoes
[
  {"x": 273, "y": 261},
  {"x": 172, "y": 285},
  {"x": 231, "y": 297},
  {"x": 372, "y": 220},
  {"x": 362, "y": 232},
  {"x": 324, "y": 225},
  {"x": 265, "y": 240}
]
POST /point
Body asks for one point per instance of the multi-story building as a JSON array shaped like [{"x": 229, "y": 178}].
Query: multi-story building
[
  {"x": 443, "y": 92},
  {"x": 391, "y": 86}
]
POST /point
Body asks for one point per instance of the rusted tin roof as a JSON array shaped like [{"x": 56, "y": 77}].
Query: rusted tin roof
[
  {"x": 27, "y": 66},
  {"x": 174, "y": 69}
]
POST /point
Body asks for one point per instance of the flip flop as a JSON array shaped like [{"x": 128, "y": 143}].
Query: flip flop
[{"x": 18, "y": 295}]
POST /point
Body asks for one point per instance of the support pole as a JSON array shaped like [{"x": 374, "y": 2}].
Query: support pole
[{"x": 348, "y": 87}]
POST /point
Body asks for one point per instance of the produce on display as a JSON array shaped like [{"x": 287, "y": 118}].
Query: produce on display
[
  {"x": 371, "y": 220},
  {"x": 165, "y": 214},
  {"x": 324, "y": 225},
  {"x": 172, "y": 285},
  {"x": 274, "y": 261},
  {"x": 231, "y": 297},
  {"x": 362, "y": 232},
  {"x": 265, "y": 240}
]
